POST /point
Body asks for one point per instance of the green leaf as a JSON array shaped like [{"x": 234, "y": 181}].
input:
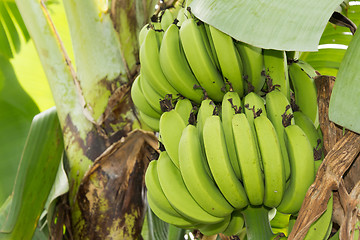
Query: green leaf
[
  {"x": 17, "y": 111},
  {"x": 344, "y": 102},
  {"x": 281, "y": 24},
  {"x": 36, "y": 174}
]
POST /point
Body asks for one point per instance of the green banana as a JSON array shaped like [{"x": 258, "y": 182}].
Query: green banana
[
  {"x": 230, "y": 62},
  {"x": 158, "y": 201},
  {"x": 302, "y": 169},
  {"x": 212, "y": 52},
  {"x": 316, "y": 140},
  {"x": 151, "y": 122},
  {"x": 204, "y": 30},
  {"x": 254, "y": 105},
  {"x": 276, "y": 69},
  {"x": 140, "y": 101},
  {"x": 193, "y": 170},
  {"x": 212, "y": 229},
  {"x": 206, "y": 110},
  {"x": 150, "y": 65},
  {"x": 184, "y": 108},
  {"x": 319, "y": 228},
  {"x": 273, "y": 164},
  {"x": 253, "y": 62},
  {"x": 175, "y": 67},
  {"x": 178, "y": 195},
  {"x": 302, "y": 77},
  {"x": 151, "y": 96},
  {"x": 276, "y": 106},
  {"x": 174, "y": 219},
  {"x": 231, "y": 104},
  {"x": 248, "y": 157},
  {"x": 166, "y": 19},
  {"x": 200, "y": 61},
  {"x": 220, "y": 166},
  {"x": 236, "y": 223},
  {"x": 257, "y": 222},
  {"x": 171, "y": 127},
  {"x": 182, "y": 15},
  {"x": 142, "y": 34}
]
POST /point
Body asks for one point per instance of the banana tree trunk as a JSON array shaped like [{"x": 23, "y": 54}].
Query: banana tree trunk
[{"x": 95, "y": 111}]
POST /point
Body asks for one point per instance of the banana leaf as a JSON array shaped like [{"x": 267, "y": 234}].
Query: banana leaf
[
  {"x": 17, "y": 111},
  {"x": 282, "y": 24},
  {"x": 344, "y": 106},
  {"x": 35, "y": 178}
]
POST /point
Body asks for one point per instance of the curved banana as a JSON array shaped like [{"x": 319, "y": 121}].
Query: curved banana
[
  {"x": 140, "y": 101},
  {"x": 166, "y": 19},
  {"x": 151, "y": 96},
  {"x": 302, "y": 77},
  {"x": 200, "y": 61},
  {"x": 276, "y": 106},
  {"x": 159, "y": 32},
  {"x": 220, "y": 166},
  {"x": 319, "y": 228},
  {"x": 236, "y": 223},
  {"x": 174, "y": 219},
  {"x": 248, "y": 157},
  {"x": 142, "y": 34},
  {"x": 254, "y": 105},
  {"x": 231, "y": 104},
  {"x": 230, "y": 62},
  {"x": 204, "y": 30},
  {"x": 158, "y": 201},
  {"x": 302, "y": 169},
  {"x": 276, "y": 69},
  {"x": 273, "y": 164},
  {"x": 206, "y": 110},
  {"x": 178, "y": 195},
  {"x": 184, "y": 108},
  {"x": 151, "y": 122},
  {"x": 212, "y": 52},
  {"x": 182, "y": 15},
  {"x": 171, "y": 127},
  {"x": 175, "y": 66},
  {"x": 192, "y": 167},
  {"x": 150, "y": 65},
  {"x": 316, "y": 140},
  {"x": 253, "y": 62},
  {"x": 212, "y": 229}
]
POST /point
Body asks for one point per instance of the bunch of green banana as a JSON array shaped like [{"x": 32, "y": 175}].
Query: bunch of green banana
[{"x": 232, "y": 146}]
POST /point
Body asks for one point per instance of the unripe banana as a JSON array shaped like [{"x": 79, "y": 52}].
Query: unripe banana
[
  {"x": 253, "y": 62},
  {"x": 171, "y": 127},
  {"x": 151, "y": 96},
  {"x": 319, "y": 228},
  {"x": 184, "y": 108},
  {"x": 220, "y": 166},
  {"x": 200, "y": 61},
  {"x": 231, "y": 104},
  {"x": 166, "y": 19},
  {"x": 140, "y": 101},
  {"x": 159, "y": 32},
  {"x": 302, "y": 169},
  {"x": 150, "y": 65},
  {"x": 158, "y": 201},
  {"x": 230, "y": 62},
  {"x": 204, "y": 30},
  {"x": 175, "y": 66},
  {"x": 175, "y": 219},
  {"x": 316, "y": 141},
  {"x": 142, "y": 34},
  {"x": 151, "y": 122},
  {"x": 193, "y": 170},
  {"x": 212, "y": 52},
  {"x": 206, "y": 110},
  {"x": 236, "y": 224},
  {"x": 276, "y": 69},
  {"x": 178, "y": 195},
  {"x": 276, "y": 106},
  {"x": 302, "y": 77},
  {"x": 212, "y": 229},
  {"x": 248, "y": 157},
  {"x": 273, "y": 164}
]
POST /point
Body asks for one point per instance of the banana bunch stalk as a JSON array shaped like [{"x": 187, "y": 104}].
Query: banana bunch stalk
[{"x": 238, "y": 129}]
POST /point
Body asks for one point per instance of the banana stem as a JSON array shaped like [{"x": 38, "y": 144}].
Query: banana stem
[{"x": 257, "y": 223}]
